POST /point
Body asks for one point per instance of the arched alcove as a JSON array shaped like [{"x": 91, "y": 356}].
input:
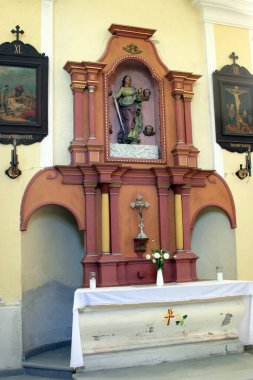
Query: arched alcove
[
  {"x": 213, "y": 240},
  {"x": 52, "y": 248}
]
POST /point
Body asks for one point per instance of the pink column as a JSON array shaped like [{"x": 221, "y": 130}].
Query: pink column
[
  {"x": 92, "y": 125},
  {"x": 89, "y": 262},
  {"x": 163, "y": 217},
  {"x": 90, "y": 184},
  {"x": 162, "y": 184},
  {"x": 185, "y": 191},
  {"x": 114, "y": 218},
  {"x": 187, "y": 115},
  {"x": 90, "y": 220},
  {"x": 179, "y": 119},
  {"x": 78, "y": 110}
]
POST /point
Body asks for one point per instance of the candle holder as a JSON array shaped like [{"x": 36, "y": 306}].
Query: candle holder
[
  {"x": 93, "y": 280},
  {"x": 13, "y": 171},
  {"x": 219, "y": 273}
]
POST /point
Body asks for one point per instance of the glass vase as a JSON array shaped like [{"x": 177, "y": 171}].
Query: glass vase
[{"x": 159, "y": 278}]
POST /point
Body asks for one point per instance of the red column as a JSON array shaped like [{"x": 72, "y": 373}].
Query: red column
[
  {"x": 162, "y": 184},
  {"x": 78, "y": 110},
  {"x": 163, "y": 217},
  {"x": 185, "y": 192},
  {"x": 179, "y": 120},
  {"x": 78, "y": 84},
  {"x": 187, "y": 116},
  {"x": 89, "y": 262},
  {"x": 92, "y": 125},
  {"x": 114, "y": 217},
  {"x": 90, "y": 220},
  {"x": 184, "y": 261},
  {"x": 92, "y": 70}
]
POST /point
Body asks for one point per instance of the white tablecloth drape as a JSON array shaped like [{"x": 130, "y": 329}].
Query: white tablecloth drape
[{"x": 190, "y": 291}]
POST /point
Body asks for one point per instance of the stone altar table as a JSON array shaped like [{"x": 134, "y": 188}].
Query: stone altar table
[{"x": 135, "y": 325}]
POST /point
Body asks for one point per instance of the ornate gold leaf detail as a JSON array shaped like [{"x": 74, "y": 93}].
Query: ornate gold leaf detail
[{"x": 132, "y": 48}]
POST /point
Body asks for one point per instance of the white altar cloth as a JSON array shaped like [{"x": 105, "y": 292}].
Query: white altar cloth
[{"x": 124, "y": 295}]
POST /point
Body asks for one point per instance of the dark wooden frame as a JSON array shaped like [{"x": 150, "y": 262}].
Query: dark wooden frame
[
  {"x": 20, "y": 55},
  {"x": 232, "y": 133}
]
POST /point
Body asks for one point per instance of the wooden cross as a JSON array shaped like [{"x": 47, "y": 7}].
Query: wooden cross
[
  {"x": 233, "y": 56},
  {"x": 17, "y": 31}
]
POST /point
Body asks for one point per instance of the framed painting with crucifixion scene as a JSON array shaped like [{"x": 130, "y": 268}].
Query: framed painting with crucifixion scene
[
  {"x": 23, "y": 92},
  {"x": 233, "y": 102}
]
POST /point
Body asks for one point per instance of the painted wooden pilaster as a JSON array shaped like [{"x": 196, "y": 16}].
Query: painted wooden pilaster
[
  {"x": 114, "y": 214},
  {"x": 179, "y": 222},
  {"x": 92, "y": 125},
  {"x": 186, "y": 221},
  {"x": 162, "y": 184},
  {"x": 187, "y": 116},
  {"x": 105, "y": 219}
]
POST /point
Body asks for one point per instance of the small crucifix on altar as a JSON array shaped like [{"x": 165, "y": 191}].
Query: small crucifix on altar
[{"x": 141, "y": 239}]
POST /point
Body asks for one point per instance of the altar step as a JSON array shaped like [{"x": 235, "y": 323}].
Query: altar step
[
  {"x": 233, "y": 366},
  {"x": 52, "y": 363}
]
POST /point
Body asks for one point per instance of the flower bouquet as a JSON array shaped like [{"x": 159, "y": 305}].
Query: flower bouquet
[{"x": 158, "y": 257}]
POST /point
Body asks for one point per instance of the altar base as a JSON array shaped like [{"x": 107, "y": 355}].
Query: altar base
[
  {"x": 157, "y": 355},
  {"x": 133, "y": 326}
]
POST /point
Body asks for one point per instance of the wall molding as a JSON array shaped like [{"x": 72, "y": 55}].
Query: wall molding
[
  {"x": 47, "y": 47},
  {"x": 226, "y": 12}
]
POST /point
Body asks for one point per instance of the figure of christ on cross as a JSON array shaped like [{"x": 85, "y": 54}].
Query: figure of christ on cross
[{"x": 236, "y": 92}]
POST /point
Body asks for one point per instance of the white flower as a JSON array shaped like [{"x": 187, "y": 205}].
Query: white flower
[
  {"x": 166, "y": 256},
  {"x": 153, "y": 261},
  {"x": 157, "y": 255},
  {"x": 148, "y": 257}
]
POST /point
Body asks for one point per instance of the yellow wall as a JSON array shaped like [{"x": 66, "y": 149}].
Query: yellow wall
[
  {"x": 26, "y": 13},
  {"x": 81, "y": 34},
  {"x": 227, "y": 40}
]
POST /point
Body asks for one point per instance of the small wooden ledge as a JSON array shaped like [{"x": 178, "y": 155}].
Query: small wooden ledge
[{"x": 131, "y": 31}]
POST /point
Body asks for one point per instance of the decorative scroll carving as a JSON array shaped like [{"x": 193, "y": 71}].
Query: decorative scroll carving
[{"x": 132, "y": 48}]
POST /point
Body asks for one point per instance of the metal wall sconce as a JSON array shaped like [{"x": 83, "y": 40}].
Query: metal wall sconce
[
  {"x": 13, "y": 171},
  {"x": 244, "y": 172}
]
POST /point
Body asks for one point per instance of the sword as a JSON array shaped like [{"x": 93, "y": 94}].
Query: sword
[{"x": 119, "y": 115}]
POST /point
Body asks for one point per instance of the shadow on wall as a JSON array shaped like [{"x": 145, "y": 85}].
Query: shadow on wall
[
  {"x": 213, "y": 240},
  {"x": 52, "y": 248}
]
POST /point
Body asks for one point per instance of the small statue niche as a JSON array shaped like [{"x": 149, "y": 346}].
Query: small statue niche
[{"x": 134, "y": 111}]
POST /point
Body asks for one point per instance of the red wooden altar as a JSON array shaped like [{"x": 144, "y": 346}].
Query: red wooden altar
[{"x": 107, "y": 172}]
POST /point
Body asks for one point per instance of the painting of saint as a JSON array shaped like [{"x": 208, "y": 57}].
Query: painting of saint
[{"x": 17, "y": 95}]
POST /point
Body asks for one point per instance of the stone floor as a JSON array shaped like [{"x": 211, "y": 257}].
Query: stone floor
[{"x": 233, "y": 366}]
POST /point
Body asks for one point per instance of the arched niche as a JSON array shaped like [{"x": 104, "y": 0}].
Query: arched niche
[
  {"x": 148, "y": 98},
  {"x": 52, "y": 247},
  {"x": 46, "y": 188},
  {"x": 214, "y": 240}
]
